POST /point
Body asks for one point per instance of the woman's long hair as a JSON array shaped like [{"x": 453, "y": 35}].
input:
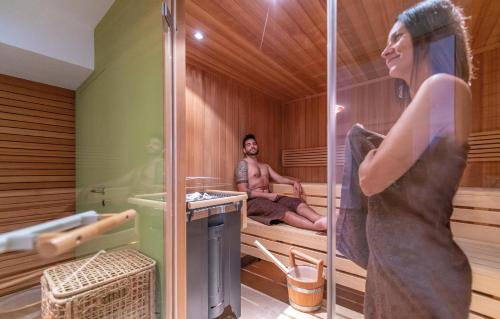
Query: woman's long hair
[{"x": 438, "y": 32}]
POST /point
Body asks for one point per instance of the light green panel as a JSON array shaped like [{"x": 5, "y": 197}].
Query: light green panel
[{"x": 119, "y": 121}]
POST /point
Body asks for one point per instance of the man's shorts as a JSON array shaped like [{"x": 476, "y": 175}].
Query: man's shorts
[{"x": 268, "y": 212}]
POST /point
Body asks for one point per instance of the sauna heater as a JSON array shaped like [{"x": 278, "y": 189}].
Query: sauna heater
[
  {"x": 213, "y": 253},
  {"x": 213, "y": 220}
]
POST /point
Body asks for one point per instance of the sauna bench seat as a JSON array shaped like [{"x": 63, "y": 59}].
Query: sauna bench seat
[{"x": 475, "y": 224}]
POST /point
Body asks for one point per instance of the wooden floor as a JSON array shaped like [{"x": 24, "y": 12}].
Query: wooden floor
[
  {"x": 255, "y": 304},
  {"x": 266, "y": 278}
]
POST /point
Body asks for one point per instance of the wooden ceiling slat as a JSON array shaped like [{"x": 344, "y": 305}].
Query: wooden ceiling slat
[
  {"x": 273, "y": 42},
  {"x": 490, "y": 14},
  {"x": 308, "y": 44},
  {"x": 291, "y": 63},
  {"x": 349, "y": 61},
  {"x": 243, "y": 51},
  {"x": 245, "y": 75},
  {"x": 239, "y": 20},
  {"x": 495, "y": 35},
  {"x": 361, "y": 42},
  {"x": 296, "y": 51},
  {"x": 230, "y": 44},
  {"x": 317, "y": 9}
]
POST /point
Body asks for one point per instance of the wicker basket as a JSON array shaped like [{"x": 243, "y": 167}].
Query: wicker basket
[{"x": 118, "y": 284}]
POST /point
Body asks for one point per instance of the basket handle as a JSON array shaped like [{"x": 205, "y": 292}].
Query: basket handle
[
  {"x": 52, "y": 245},
  {"x": 317, "y": 262}
]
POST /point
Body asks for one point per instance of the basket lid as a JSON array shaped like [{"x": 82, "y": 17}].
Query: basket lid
[{"x": 69, "y": 279}]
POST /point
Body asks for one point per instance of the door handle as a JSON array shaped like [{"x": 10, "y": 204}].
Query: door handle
[{"x": 98, "y": 190}]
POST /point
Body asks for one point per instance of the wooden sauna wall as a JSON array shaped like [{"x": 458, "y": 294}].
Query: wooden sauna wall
[
  {"x": 219, "y": 112},
  {"x": 375, "y": 106},
  {"x": 304, "y": 121},
  {"x": 37, "y": 167},
  {"x": 485, "y": 116}
]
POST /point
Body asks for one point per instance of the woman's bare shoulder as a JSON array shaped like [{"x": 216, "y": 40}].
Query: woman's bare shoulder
[{"x": 442, "y": 82}]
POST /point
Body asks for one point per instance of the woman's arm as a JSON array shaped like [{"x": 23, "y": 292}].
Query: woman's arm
[{"x": 440, "y": 107}]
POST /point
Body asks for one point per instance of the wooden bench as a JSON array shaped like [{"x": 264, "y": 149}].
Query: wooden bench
[{"x": 475, "y": 225}]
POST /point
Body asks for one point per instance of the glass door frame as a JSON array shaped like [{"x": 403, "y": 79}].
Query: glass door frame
[
  {"x": 174, "y": 239},
  {"x": 331, "y": 13}
]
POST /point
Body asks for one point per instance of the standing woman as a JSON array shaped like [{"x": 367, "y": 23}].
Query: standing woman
[{"x": 415, "y": 269}]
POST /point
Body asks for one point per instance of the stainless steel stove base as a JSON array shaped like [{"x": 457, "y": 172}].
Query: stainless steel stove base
[{"x": 218, "y": 246}]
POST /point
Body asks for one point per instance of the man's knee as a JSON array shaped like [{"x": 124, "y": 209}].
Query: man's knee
[
  {"x": 302, "y": 205},
  {"x": 287, "y": 214}
]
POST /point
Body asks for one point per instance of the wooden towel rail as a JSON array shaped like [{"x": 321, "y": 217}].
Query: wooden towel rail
[
  {"x": 50, "y": 238},
  {"x": 54, "y": 244}
]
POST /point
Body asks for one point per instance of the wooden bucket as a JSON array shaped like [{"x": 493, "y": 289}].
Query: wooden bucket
[{"x": 305, "y": 283}]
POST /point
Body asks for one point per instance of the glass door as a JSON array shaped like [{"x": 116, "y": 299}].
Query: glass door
[{"x": 127, "y": 140}]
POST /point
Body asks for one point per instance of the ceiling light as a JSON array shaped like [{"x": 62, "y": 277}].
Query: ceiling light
[
  {"x": 198, "y": 35},
  {"x": 339, "y": 108}
]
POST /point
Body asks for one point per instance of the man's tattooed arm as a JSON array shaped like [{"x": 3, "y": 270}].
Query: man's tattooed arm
[
  {"x": 241, "y": 172},
  {"x": 241, "y": 177}
]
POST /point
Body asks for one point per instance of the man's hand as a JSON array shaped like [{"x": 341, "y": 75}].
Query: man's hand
[
  {"x": 273, "y": 197},
  {"x": 297, "y": 188}
]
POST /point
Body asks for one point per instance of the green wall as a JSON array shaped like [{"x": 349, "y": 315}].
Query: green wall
[{"x": 119, "y": 119}]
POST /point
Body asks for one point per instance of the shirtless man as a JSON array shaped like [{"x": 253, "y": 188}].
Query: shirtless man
[{"x": 252, "y": 177}]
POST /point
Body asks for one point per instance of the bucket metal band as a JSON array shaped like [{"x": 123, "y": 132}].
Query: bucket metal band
[
  {"x": 304, "y": 308},
  {"x": 303, "y": 290}
]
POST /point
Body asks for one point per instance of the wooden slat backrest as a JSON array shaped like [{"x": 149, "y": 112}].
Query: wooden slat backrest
[
  {"x": 484, "y": 146},
  {"x": 306, "y": 157}
]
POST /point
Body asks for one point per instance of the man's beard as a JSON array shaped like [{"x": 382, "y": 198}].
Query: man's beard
[{"x": 252, "y": 153}]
